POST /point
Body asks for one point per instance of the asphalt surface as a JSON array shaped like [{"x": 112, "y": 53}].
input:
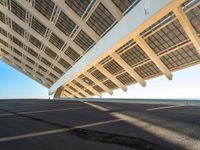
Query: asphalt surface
[{"x": 73, "y": 125}]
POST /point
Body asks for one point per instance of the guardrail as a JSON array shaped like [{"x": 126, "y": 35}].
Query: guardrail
[{"x": 138, "y": 101}]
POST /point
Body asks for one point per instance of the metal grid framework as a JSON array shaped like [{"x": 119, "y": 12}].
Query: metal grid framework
[
  {"x": 42, "y": 40},
  {"x": 101, "y": 19},
  {"x": 38, "y": 26},
  {"x": 65, "y": 24},
  {"x": 78, "y": 6},
  {"x": 83, "y": 40},
  {"x": 44, "y": 49},
  {"x": 123, "y": 4},
  {"x": 45, "y": 7},
  {"x": 166, "y": 38},
  {"x": 56, "y": 41},
  {"x": 72, "y": 54}
]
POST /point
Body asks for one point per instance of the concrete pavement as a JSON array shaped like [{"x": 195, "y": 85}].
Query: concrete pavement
[{"x": 74, "y": 125}]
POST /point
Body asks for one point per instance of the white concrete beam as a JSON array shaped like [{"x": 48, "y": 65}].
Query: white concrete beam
[
  {"x": 128, "y": 69},
  {"x": 100, "y": 84},
  {"x": 111, "y": 7},
  {"x": 80, "y": 90},
  {"x": 187, "y": 26},
  {"x": 69, "y": 12},
  {"x": 87, "y": 86},
  {"x": 111, "y": 77},
  {"x": 151, "y": 54},
  {"x": 73, "y": 92}
]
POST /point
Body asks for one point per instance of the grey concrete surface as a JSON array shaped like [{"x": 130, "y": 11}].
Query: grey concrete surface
[{"x": 73, "y": 125}]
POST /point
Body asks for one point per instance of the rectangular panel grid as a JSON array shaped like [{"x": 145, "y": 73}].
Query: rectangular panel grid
[
  {"x": 194, "y": 17},
  {"x": 113, "y": 67},
  {"x": 42, "y": 68},
  {"x": 158, "y": 24},
  {"x": 88, "y": 81},
  {"x": 50, "y": 53},
  {"x": 126, "y": 46},
  {"x": 32, "y": 52},
  {"x": 4, "y": 32},
  {"x": 72, "y": 88},
  {"x": 98, "y": 88},
  {"x": 3, "y": 42},
  {"x": 38, "y": 26},
  {"x": 78, "y": 84},
  {"x": 4, "y": 51},
  {"x": 18, "y": 10},
  {"x": 39, "y": 74},
  {"x": 65, "y": 24},
  {"x": 72, "y": 54},
  {"x": 45, "y": 7},
  {"x": 123, "y": 4},
  {"x": 148, "y": 70},
  {"x": 17, "y": 28},
  {"x": 79, "y": 6},
  {"x": 134, "y": 55},
  {"x": 125, "y": 78},
  {"x": 64, "y": 63},
  {"x": 35, "y": 41},
  {"x": 2, "y": 17},
  {"x": 109, "y": 84},
  {"x": 89, "y": 92},
  {"x": 101, "y": 19},
  {"x": 81, "y": 94},
  {"x": 30, "y": 60},
  {"x": 16, "y": 59},
  {"x": 181, "y": 57},
  {"x": 56, "y": 41},
  {"x": 98, "y": 75},
  {"x": 18, "y": 42},
  {"x": 83, "y": 40},
  {"x": 53, "y": 76},
  {"x": 29, "y": 67},
  {"x": 49, "y": 80},
  {"x": 58, "y": 70},
  {"x": 68, "y": 92},
  {"x": 166, "y": 37},
  {"x": 46, "y": 62},
  {"x": 17, "y": 52}
]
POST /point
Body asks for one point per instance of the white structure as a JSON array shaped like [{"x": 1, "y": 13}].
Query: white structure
[{"x": 82, "y": 49}]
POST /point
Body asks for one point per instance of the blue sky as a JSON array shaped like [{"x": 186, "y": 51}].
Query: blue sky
[
  {"x": 14, "y": 84},
  {"x": 185, "y": 84}
]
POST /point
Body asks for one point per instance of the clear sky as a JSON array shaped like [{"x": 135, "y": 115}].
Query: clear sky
[
  {"x": 14, "y": 84},
  {"x": 185, "y": 84}
]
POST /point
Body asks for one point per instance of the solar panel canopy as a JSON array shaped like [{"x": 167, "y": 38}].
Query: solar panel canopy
[{"x": 48, "y": 39}]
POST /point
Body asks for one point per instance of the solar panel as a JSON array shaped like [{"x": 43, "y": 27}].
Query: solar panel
[
  {"x": 65, "y": 24},
  {"x": 101, "y": 19},
  {"x": 18, "y": 10},
  {"x": 45, "y": 7}
]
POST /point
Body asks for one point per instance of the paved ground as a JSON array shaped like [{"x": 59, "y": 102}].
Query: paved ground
[{"x": 73, "y": 125}]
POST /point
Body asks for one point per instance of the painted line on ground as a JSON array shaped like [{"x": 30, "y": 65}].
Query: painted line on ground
[
  {"x": 43, "y": 111},
  {"x": 96, "y": 106},
  {"x": 164, "y": 107},
  {"x": 23, "y": 136}
]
